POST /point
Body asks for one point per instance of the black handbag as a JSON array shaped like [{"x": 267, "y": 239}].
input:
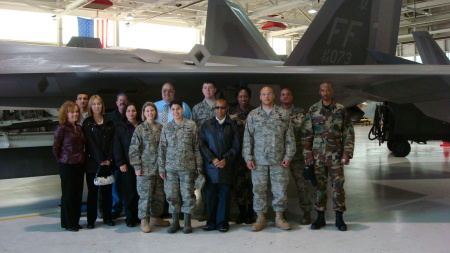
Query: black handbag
[{"x": 104, "y": 176}]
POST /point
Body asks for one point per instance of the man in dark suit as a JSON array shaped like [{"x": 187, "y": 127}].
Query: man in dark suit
[{"x": 219, "y": 144}]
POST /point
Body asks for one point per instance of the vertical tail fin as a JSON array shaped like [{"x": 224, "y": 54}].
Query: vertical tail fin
[
  {"x": 344, "y": 29},
  {"x": 429, "y": 50},
  {"x": 229, "y": 32}
]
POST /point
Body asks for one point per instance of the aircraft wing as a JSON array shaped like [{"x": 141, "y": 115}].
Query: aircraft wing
[{"x": 42, "y": 76}]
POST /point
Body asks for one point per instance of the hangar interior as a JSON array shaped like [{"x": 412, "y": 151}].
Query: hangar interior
[
  {"x": 281, "y": 22},
  {"x": 395, "y": 204}
]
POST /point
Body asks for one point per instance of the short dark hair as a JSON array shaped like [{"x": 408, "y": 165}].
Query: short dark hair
[
  {"x": 221, "y": 100},
  {"x": 121, "y": 94},
  {"x": 209, "y": 81},
  {"x": 176, "y": 102},
  {"x": 249, "y": 92},
  {"x": 82, "y": 92},
  {"x": 292, "y": 93},
  {"x": 328, "y": 82}
]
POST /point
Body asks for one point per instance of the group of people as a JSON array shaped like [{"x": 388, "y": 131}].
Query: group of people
[{"x": 215, "y": 152}]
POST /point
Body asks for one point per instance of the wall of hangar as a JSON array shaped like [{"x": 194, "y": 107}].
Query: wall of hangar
[
  {"x": 409, "y": 50},
  {"x": 42, "y": 28}
]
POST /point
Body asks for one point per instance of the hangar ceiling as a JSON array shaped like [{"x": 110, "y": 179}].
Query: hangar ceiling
[{"x": 429, "y": 15}]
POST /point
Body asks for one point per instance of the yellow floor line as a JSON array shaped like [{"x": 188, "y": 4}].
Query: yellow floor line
[{"x": 28, "y": 216}]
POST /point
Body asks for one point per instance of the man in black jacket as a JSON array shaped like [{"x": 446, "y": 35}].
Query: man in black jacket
[
  {"x": 117, "y": 115},
  {"x": 219, "y": 144},
  {"x": 121, "y": 102}
]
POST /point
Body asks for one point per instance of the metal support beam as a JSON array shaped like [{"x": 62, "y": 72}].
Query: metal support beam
[
  {"x": 59, "y": 32},
  {"x": 410, "y": 36},
  {"x": 424, "y": 5},
  {"x": 277, "y": 8},
  {"x": 166, "y": 12},
  {"x": 116, "y": 34},
  {"x": 425, "y": 20},
  {"x": 73, "y": 6},
  {"x": 30, "y": 3}
]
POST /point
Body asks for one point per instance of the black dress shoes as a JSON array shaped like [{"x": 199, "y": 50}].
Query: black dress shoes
[
  {"x": 79, "y": 226},
  {"x": 73, "y": 229},
  {"x": 114, "y": 215},
  {"x": 90, "y": 226},
  {"x": 206, "y": 228},
  {"x": 131, "y": 224},
  {"x": 110, "y": 223}
]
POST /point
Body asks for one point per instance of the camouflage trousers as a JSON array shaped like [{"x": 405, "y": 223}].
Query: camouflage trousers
[
  {"x": 151, "y": 196},
  {"x": 279, "y": 179},
  {"x": 297, "y": 168},
  {"x": 179, "y": 189},
  {"x": 336, "y": 174},
  {"x": 243, "y": 187}
]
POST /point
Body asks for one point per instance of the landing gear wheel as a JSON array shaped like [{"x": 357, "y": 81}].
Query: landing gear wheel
[
  {"x": 389, "y": 145},
  {"x": 401, "y": 148}
]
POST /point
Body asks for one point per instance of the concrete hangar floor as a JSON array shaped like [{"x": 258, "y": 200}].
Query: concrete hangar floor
[{"x": 394, "y": 205}]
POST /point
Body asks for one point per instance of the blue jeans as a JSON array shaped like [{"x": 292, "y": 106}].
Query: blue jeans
[{"x": 117, "y": 200}]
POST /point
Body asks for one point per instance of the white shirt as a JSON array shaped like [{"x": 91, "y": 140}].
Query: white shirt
[{"x": 221, "y": 121}]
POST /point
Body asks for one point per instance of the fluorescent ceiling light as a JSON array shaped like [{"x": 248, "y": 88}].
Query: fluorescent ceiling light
[{"x": 312, "y": 9}]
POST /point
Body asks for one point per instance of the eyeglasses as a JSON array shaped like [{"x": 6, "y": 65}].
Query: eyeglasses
[
  {"x": 167, "y": 91},
  {"x": 220, "y": 107}
]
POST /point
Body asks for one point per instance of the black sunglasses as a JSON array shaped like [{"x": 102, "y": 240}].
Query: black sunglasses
[{"x": 220, "y": 107}]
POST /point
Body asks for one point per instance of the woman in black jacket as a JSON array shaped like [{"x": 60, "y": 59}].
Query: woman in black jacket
[
  {"x": 122, "y": 138},
  {"x": 99, "y": 131}
]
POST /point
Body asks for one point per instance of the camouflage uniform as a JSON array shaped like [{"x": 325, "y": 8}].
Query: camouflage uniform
[
  {"x": 201, "y": 113},
  {"x": 327, "y": 135},
  {"x": 143, "y": 156},
  {"x": 179, "y": 158},
  {"x": 268, "y": 140},
  {"x": 242, "y": 175},
  {"x": 83, "y": 116},
  {"x": 298, "y": 163}
]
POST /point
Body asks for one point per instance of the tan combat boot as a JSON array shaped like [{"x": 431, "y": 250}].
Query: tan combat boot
[
  {"x": 158, "y": 222},
  {"x": 260, "y": 222},
  {"x": 281, "y": 222},
  {"x": 145, "y": 228}
]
